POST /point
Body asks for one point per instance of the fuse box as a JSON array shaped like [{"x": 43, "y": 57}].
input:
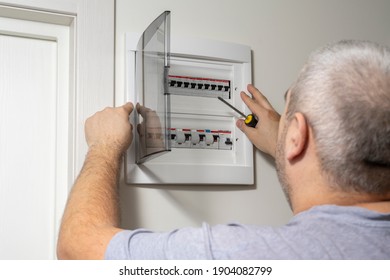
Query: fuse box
[{"x": 182, "y": 133}]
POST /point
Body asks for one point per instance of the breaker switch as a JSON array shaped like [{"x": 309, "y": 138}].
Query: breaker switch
[
  {"x": 225, "y": 142},
  {"x": 195, "y": 139},
  {"x": 180, "y": 137},
  {"x": 209, "y": 139}
]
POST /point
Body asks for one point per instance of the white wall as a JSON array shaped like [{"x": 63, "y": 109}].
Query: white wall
[{"x": 281, "y": 34}]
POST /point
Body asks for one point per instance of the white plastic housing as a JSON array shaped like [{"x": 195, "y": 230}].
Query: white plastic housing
[{"x": 197, "y": 159}]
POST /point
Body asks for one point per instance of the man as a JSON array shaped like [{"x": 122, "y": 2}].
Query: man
[{"x": 332, "y": 151}]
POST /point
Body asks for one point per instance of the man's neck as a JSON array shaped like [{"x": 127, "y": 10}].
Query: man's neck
[
  {"x": 378, "y": 206},
  {"x": 376, "y": 203}
]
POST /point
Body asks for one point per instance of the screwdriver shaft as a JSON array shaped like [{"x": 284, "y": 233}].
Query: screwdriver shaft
[{"x": 231, "y": 106}]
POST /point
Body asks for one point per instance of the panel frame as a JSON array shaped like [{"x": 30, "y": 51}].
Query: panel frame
[{"x": 233, "y": 168}]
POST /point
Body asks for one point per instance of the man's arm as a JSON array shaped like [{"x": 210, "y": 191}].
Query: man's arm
[
  {"x": 91, "y": 217},
  {"x": 265, "y": 135}
]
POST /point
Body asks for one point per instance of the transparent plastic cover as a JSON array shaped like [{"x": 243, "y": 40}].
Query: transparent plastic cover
[{"x": 153, "y": 104}]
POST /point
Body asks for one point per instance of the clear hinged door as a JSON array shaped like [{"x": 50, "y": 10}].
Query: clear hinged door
[{"x": 152, "y": 117}]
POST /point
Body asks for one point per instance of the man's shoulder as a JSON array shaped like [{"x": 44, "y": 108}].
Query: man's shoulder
[{"x": 323, "y": 232}]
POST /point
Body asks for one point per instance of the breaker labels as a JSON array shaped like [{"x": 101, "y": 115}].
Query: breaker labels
[{"x": 195, "y": 86}]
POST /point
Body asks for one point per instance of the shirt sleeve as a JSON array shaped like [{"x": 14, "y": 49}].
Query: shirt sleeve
[
  {"x": 232, "y": 241},
  {"x": 186, "y": 243},
  {"x": 309, "y": 235}
]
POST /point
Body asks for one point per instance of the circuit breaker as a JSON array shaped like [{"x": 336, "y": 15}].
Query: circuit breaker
[{"x": 182, "y": 133}]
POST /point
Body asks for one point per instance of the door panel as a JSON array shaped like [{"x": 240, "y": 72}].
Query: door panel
[
  {"x": 33, "y": 164},
  {"x": 56, "y": 70}
]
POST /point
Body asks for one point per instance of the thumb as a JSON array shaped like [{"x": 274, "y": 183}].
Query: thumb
[
  {"x": 250, "y": 132},
  {"x": 128, "y": 107},
  {"x": 240, "y": 124}
]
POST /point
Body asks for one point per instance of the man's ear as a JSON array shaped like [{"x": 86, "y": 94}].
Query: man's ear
[{"x": 297, "y": 137}]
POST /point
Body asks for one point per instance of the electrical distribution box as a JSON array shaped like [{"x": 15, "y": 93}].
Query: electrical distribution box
[{"x": 182, "y": 133}]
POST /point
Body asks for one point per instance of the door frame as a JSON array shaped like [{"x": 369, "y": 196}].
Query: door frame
[
  {"x": 92, "y": 51},
  {"x": 92, "y": 26}
]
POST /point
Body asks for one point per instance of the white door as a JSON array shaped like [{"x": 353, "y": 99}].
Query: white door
[
  {"x": 34, "y": 90},
  {"x": 46, "y": 92}
]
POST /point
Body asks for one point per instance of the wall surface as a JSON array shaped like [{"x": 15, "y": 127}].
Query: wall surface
[{"x": 281, "y": 34}]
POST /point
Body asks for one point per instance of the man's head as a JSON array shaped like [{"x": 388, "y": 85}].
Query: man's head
[{"x": 343, "y": 92}]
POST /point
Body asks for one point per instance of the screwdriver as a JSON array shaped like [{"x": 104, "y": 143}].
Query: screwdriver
[{"x": 250, "y": 120}]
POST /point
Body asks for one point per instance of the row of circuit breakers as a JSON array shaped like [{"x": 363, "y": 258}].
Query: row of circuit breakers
[
  {"x": 201, "y": 87},
  {"x": 200, "y": 138}
]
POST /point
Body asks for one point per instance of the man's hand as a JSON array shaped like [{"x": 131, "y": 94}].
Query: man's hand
[
  {"x": 110, "y": 129},
  {"x": 265, "y": 134},
  {"x": 91, "y": 217}
]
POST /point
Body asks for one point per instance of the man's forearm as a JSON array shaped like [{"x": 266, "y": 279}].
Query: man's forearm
[{"x": 92, "y": 206}]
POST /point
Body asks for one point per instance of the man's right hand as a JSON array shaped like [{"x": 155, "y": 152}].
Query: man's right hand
[
  {"x": 110, "y": 128},
  {"x": 265, "y": 135}
]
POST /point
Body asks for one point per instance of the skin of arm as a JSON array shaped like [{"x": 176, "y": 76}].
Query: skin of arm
[{"x": 91, "y": 217}]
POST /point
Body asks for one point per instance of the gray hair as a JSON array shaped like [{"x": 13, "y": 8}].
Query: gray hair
[{"x": 344, "y": 92}]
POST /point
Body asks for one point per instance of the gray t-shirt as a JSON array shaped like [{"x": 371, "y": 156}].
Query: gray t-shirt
[{"x": 323, "y": 232}]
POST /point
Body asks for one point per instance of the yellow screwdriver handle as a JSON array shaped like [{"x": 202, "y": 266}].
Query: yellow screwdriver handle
[{"x": 251, "y": 120}]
